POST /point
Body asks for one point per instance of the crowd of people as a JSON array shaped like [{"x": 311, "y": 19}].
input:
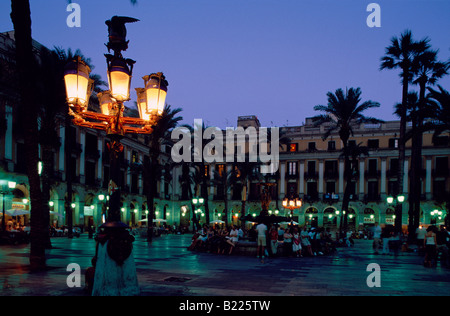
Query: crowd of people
[
  {"x": 296, "y": 241},
  {"x": 431, "y": 242},
  {"x": 275, "y": 240}
]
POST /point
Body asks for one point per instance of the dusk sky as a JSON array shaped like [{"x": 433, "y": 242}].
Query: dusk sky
[{"x": 275, "y": 59}]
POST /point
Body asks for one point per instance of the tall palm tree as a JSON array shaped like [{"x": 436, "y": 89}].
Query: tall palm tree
[
  {"x": 400, "y": 55},
  {"x": 342, "y": 114},
  {"x": 26, "y": 68},
  {"x": 152, "y": 167},
  {"x": 428, "y": 70}
]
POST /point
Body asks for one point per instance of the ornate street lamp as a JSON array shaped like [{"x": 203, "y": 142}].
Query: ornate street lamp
[
  {"x": 395, "y": 201},
  {"x": 151, "y": 100},
  {"x": 291, "y": 203}
]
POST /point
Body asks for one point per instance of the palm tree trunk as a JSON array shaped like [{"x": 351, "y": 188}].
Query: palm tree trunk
[
  {"x": 67, "y": 151},
  {"x": 417, "y": 143},
  {"x": 21, "y": 19},
  {"x": 401, "y": 154},
  {"x": 47, "y": 159}
]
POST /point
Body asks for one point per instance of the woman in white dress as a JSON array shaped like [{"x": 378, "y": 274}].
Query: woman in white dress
[{"x": 296, "y": 243}]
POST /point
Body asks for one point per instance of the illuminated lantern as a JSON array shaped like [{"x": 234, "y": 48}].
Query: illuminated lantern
[
  {"x": 142, "y": 104},
  {"x": 106, "y": 102},
  {"x": 119, "y": 78},
  {"x": 78, "y": 84},
  {"x": 156, "y": 92}
]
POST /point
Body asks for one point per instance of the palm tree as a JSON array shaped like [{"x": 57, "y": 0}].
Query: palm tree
[
  {"x": 152, "y": 166},
  {"x": 441, "y": 99},
  {"x": 26, "y": 68},
  {"x": 400, "y": 55},
  {"x": 342, "y": 114},
  {"x": 428, "y": 71}
]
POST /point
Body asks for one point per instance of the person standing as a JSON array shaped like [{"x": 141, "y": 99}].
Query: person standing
[
  {"x": 376, "y": 237},
  {"x": 273, "y": 241},
  {"x": 262, "y": 230},
  {"x": 430, "y": 247},
  {"x": 296, "y": 243}
]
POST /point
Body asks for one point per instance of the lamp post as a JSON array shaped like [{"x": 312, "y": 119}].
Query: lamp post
[
  {"x": 291, "y": 203},
  {"x": 396, "y": 201},
  {"x": 197, "y": 201},
  {"x": 436, "y": 215},
  {"x": 151, "y": 101}
]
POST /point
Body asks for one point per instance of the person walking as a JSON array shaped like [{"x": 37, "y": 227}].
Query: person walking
[{"x": 262, "y": 230}]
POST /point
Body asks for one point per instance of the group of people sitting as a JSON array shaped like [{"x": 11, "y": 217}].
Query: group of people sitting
[
  {"x": 299, "y": 242},
  {"x": 217, "y": 239},
  {"x": 292, "y": 241}
]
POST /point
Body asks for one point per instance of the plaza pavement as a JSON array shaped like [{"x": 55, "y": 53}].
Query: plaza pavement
[{"x": 167, "y": 268}]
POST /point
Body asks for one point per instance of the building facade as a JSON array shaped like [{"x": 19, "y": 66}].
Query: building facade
[{"x": 310, "y": 167}]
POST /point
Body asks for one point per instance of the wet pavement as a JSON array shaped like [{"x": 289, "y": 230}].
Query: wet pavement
[{"x": 166, "y": 268}]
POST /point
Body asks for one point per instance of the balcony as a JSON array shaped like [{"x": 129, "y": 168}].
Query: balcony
[
  {"x": 291, "y": 175},
  {"x": 330, "y": 198},
  {"x": 311, "y": 197},
  {"x": 371, "y": 197}
]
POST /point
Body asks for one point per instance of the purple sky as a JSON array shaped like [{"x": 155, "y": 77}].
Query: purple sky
[{"x": 275, "y": 59}]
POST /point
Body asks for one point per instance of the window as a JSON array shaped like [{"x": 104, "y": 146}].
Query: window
[
  {"x": 311, "y": 189},
  {"x": 331, "y": 168},
  {"x": 134, "y": 157},
  {"x": 312, "y": 146},
  {"x": 393, "y": 164},
  {"x": 440, "y": 141},
  {"x": 292, "y": 168},
  {"x": 393, "y": 143},
  {"x": 293, "y": 147},
  {"x": 372, "y": 190},
  {"x": 331, "y": 187},
  {"x": 220, "y": 170},
  {"x": 373, "y": 165},
  {"x": 331, "y": 145},
  {"x": 311, "y": 167},
  {"x": 441, "y": 164},
  {"x": 90, "y": 173},
  {"x": 292, "y": 188},
  {"x": 351, "y": 143},
  {"x": 373, "y": 143}
]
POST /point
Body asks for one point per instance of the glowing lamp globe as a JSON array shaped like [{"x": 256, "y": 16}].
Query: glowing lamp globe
[
  {"x": 156, "y": 92},
  {"x": 78, "y": 84},
  {"x": 106, "y": 102},
  {"x": 119, "y": 78}
]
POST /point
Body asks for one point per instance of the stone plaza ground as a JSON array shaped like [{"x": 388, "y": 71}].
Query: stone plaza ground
[{"x": 166, "y": 268}]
